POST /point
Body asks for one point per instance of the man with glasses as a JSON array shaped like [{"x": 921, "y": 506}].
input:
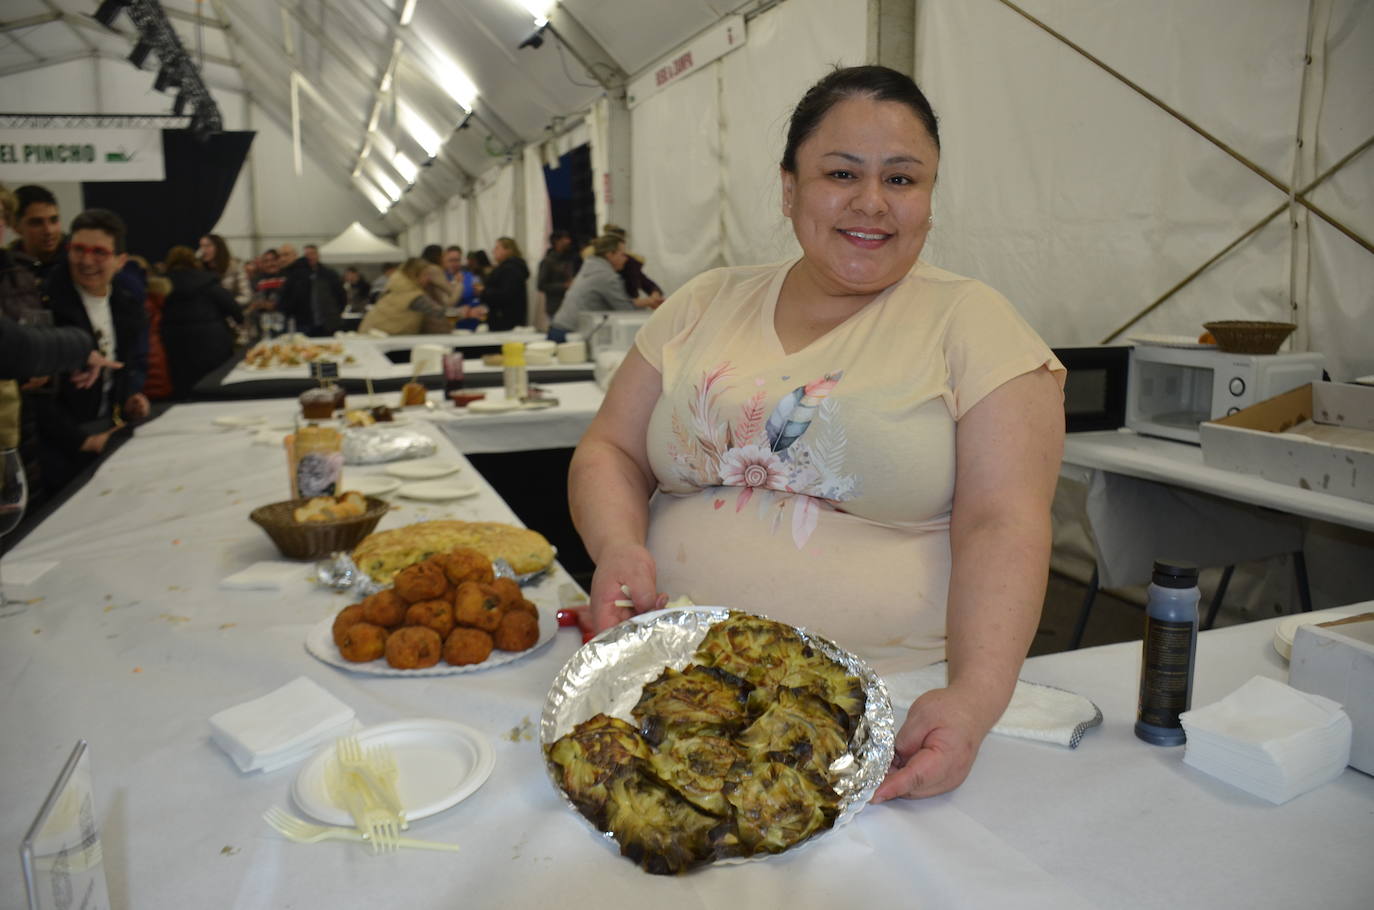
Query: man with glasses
[{"x": 76, "y": 423}]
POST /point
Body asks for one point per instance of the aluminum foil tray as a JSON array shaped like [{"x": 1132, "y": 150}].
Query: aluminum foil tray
[{"x": 607, "y": 674}]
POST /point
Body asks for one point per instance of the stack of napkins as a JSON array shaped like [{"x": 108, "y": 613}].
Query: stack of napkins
[
  {"x": 281, "y": 727},
  {"x": 1269, "y": 739}
]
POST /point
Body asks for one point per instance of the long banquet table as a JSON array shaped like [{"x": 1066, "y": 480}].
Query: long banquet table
[{"x": 130, "y": 643}]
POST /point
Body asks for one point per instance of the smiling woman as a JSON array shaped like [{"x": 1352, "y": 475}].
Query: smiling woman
[{"x": 854, "y": 441}]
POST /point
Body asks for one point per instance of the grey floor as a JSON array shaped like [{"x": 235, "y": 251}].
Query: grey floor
[{"x": 1111, "y": 619}]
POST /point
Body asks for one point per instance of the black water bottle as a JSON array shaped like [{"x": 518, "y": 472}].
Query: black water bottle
[{"x": 1168, "y": 653}]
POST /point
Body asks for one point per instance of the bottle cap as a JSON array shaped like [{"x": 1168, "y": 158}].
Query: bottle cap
[
  {"x": 1174, "y": 574},
  {"x": 513, "y": 354}
]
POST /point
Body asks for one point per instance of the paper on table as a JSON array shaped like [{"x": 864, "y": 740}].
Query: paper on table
[
  {"x": 280, "y": 727},
  {"x": 272, "y": 575},
  {"x": 1037, "y": 712},
  {"x": 19, "y": 572}
]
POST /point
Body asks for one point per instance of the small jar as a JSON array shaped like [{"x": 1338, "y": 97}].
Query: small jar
[{"x": 514, "y": 373}]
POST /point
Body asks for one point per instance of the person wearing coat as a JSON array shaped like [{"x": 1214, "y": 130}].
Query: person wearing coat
[
  {"x": 505, "y": 294},
  {"x": 313, "y": 295},
  {"x": 195, "y": 321}
]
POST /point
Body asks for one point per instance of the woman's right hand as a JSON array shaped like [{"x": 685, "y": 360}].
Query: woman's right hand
[{"x": 629, "y": 565}]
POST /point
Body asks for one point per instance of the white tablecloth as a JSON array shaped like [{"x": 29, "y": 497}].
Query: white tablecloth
[{"x": 131, "y": 644}]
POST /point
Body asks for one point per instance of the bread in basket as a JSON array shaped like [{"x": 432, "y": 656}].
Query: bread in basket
[{"x": 316, "y": 539}]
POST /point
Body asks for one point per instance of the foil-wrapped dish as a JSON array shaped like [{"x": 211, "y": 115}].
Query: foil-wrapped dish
[
  {"x": 706, "y": 735},
  {"x": 380, "y": 444}
]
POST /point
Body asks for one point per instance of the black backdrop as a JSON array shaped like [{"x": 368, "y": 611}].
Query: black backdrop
[{"x": 183, "y": 207}]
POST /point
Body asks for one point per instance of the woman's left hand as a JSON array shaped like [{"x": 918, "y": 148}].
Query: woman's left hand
[{"x": 935, "y": 747}]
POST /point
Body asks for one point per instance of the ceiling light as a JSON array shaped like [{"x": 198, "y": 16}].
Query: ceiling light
[
  {"x": 405, "y": 167},
  {"x": 446, "y": 74},
  {"x": 540, "y": 10},
  {"x": 386, "y": 183},
  {"x": 407, "y": 12},
  {"x": 424, "y": 134},
  {"x": 139, "y": 55},
  {"x": 108, "y": 11},
  {"x": 373, "y": 195}
]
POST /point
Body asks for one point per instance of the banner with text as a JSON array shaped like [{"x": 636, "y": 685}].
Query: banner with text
[
  {"x": 726, "y": 36},
  {"x": 79, "y": 155}
]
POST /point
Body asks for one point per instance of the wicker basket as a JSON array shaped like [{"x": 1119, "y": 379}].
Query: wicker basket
[
  {"x": 1238, "y": 336},
  {"x": 315, "y": 539}
]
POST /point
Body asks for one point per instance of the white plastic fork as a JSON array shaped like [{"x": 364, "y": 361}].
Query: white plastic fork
[
  {"x": 376, "y": 825},
  {"x": 304, "y": 832},
  {"x": 377, "y": 768}
]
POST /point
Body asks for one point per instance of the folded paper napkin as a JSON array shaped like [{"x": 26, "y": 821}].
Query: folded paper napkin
[
  {"x": 1036, "y": 712},
  {"x": 1269, "y": 739},
  {"x": 20, "y": 572},
  {"x": 272, "y": 575},
  {"x": 281, "y": 727}
]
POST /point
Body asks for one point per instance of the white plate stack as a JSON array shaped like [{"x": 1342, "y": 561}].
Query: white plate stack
[{"x": 1269, "y": 739}]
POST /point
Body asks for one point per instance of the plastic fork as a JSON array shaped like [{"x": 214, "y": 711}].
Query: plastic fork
[
  {"x": 304, "y": 832},
  {"x": 377, "y": 768}
]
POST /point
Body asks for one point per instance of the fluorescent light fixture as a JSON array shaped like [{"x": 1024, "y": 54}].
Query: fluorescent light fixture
[
  {"x": 373, "y": 195},
  {"x": 540, "y": 10},
  {"x": 385, "y": 147},
  {"x": 386, "y": 183},
  {"x": 407, "y": 12},
  {"x": 376, "y": 115},
  {"x": 424, "y": 134},
  {"x": 446, "y": 73},
  {"x": 405, "y": 167}
]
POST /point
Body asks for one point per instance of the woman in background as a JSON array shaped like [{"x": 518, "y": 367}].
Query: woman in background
[
  {"x": 195, "y": 321},
  {"x": 214, "y": 257},
  {"x": 506, "y": 295}
]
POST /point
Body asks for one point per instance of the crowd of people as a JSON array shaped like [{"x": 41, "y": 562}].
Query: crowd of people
[{"x": 92, "y": 334}]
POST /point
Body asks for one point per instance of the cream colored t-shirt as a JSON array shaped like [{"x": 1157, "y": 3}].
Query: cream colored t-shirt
[{"x": 815, "y": 487}]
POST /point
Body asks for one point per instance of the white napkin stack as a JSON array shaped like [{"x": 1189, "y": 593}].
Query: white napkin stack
[
  {"x": 1269, "y": 739},
  {"x": 281, "y": 727},
  {"x": 1042, "y": 713}
]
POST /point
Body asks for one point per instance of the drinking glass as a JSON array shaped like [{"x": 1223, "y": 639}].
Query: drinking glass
[{"x": 14, "y": 496}]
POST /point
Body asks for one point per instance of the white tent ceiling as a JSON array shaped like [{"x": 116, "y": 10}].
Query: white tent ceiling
[{"x": 342, "y": 50}]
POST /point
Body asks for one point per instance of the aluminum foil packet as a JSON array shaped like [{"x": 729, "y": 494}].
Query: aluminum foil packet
[
  {"x": 608, "y": 673},
  {"x": 379, "y": 444},
  {"x": 341, "y": 573}
]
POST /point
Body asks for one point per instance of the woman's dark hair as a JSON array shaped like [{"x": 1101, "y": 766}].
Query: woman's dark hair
[
  {"x": 481, "y": 260},
  {"x": 220, "y": 264},
  {"x": 876, "y": 82},
  {"x": 182, "y": 257},
  {"x": 433, "y": 253}
]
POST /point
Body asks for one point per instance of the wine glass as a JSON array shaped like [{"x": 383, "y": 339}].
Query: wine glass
[{"x": 14, "y": 495}]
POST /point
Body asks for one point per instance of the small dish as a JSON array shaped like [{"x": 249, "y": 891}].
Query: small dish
[
  {"x": 438, "y": 490},
  {"x": 493, "y": 406},
  {"x": 1287, "y": 628},
  {"x": 423, "y": 470},
  {"x": 440, "y": 763},
  {"x": 373, "y": 484}
]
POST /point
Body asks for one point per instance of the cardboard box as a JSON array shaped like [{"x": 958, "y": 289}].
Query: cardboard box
[
  {"x": 1319, "y": 436},
  {"x": 1336, "y": 659}
]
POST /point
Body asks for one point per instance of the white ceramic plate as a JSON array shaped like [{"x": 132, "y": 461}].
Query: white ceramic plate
[
  {"x": 423, "y": 470},
  {"x": 438, "y": 490},
  {"x": 1287, "y": 628},
  {"x": 239, "y": 420},
  {"x": 372, "y": 484},
  {"x": 441, "y": 763},
  {"x": 1172, "y": 341},
  {"x": 319, "y": 641},
  {"x": 492, "y": 406}
]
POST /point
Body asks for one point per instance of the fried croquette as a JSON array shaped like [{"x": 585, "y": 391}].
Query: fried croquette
[
  {"x": 422, "y": 581},
  {"x": 385, "y": 608},
  {"x": 463, "y": 564},
  {"x": 433, "y": 614},
  {"x": 523, "y": 606},
  {"x": 363, "y": 642},
  {"x": 509, "y": 589},
  {"x": 518, "y": 631},
  {"x": 467, "y": 646},
  {"x": 477, "y": 605},
  {"x": 413, "y": 648},
  {"x": 347, "y": 617}
]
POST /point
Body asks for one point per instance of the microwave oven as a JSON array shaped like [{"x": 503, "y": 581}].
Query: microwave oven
[{"x": 1171, "y": 390}]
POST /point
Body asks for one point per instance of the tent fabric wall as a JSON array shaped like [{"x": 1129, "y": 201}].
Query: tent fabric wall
[
  {"x": 675, "y": 179},
  {"x": 533, "y": 235},
  {"x": 494, "y": 207},
  {"x": 1084, "y": 202},
  {"x": 788, "y": 49}
]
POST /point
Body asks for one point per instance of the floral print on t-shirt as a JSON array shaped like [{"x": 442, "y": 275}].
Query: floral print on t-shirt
[{"x": 766, "y": 455}]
